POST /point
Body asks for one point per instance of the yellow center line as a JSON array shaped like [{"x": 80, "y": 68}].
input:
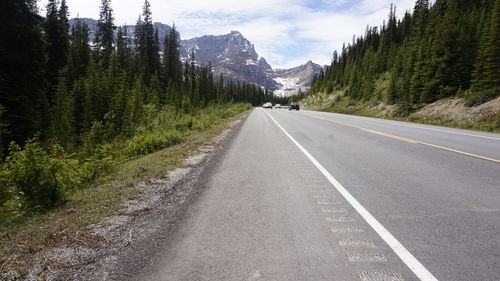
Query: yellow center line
[{"x": 407, "y": 139}]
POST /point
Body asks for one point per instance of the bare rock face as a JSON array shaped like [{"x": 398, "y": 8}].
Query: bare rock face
[{"x": 231, "y": 56}]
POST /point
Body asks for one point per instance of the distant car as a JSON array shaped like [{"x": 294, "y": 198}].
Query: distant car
[
  {"x": 277, "y": 106},
  {"x": 268, "y": 105},
  {"x": 294, "y": 105}
]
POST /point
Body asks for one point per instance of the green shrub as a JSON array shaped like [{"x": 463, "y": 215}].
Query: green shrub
[
  {"x": 477, "y": 98},
  {"x": 38, "y": 176},
  {"x": 94, "y": 137},
  {"x": 99, "y": 163},
  {"x": 151, "y": 142}
]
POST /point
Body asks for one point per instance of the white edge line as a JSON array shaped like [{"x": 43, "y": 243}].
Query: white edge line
[
  {"x": 393, "y": 122},
  {"x": 415, "y": 266}
]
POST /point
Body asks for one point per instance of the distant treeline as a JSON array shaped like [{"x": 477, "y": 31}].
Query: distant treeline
[
  {"x": 54, "y": 82},
  {"x": 449, "y": 48}
]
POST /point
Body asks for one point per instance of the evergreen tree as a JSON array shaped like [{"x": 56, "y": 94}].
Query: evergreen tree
[
  {"x": 147, "y": 46},
  {"x": 119, "y": 102},
  {"x": 56, "y": 32},
  {"x": 487, "y": 72},
  {"x": 22, "y": 71},
  {"x": 62, "y": 122},
  {"x": 79, "y": 52},
  {"x": 78, "y": 92},
  {"x": 123, "y": 50},
  {"x": 133, "y": 108},
  {"x": 3, "y": 131},
  {"x": 92, "y": 100},
  {"x": 104, "y": 37},
  {"x": 154, "y": 92},
  {"x": 171, "y": 59}
]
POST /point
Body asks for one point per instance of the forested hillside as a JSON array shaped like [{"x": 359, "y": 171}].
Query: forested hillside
[
  {"x": 79, "y": 106},
  {"x": 447, "y": 49}
]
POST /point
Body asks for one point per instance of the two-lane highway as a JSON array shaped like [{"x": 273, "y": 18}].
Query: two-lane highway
[
  {"x": 436, "y": 189},
  {"x": 319, "y": 196}
]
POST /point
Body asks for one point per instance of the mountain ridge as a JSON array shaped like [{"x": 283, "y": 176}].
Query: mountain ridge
[{"x": 234, "y": 57}]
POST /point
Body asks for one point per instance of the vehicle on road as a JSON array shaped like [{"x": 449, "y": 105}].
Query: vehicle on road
[
  {"x": 277, "y": 106},
  {"x": 268, "y": 105},
  {"x": 294, "y": 105}
]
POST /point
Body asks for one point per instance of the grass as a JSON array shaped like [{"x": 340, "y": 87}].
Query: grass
[
  {"x": 345, "y": 105},
  {"x": 66, "y": 224}
]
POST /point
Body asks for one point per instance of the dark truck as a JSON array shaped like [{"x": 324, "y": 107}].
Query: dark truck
[{"x": 294, "y": 105}]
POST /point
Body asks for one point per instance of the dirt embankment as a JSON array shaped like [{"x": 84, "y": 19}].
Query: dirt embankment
[{"x": 455, "y": 109}]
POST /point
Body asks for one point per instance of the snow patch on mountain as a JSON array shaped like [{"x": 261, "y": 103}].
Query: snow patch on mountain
[
  {"x": 288, "y": 86},
  {"x": 292, "y": 80}
]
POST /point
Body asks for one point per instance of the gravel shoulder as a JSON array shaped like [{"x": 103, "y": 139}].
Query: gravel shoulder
[{"x": 128, "y": 241}]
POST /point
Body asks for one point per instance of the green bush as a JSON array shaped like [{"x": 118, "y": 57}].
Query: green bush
[
  {"x": 477, "y": 98},
  {"x": 99, "y": 163},
  {"x": 38, "y": 176},
  {"x": 151, "y": 142}
]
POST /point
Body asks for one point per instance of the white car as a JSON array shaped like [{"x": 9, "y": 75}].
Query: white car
[
  {"x": 277, "y": 106},
  {"x": 268, "y": 105}
]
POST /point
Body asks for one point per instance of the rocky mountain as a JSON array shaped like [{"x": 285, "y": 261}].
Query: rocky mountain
[
  {"x": 234, "y": 57},
  {"x": 231, "y": 56},
  {"x": 293, "y": 79}
]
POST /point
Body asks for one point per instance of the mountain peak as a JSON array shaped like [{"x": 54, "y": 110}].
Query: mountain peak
[
  {"x": 232, "y": 56},
  {"x": 236, "y": 33}
]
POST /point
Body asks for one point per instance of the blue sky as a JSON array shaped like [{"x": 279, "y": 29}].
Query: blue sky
[{"x": 286, "y": 32}]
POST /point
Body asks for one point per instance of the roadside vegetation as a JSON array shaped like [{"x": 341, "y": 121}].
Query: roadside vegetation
[
  {"x": 81, "y": 122},
  {"x": 342, "y": 104},
  {"x": 449, "y": 49},
  {"x": 84, "y": 201}
]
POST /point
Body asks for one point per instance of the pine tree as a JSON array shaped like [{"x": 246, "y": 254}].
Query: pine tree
[
  {"x": 92, "y": 95},
  {"x": 3, "y": 131},
  {"x": 487, "y": 72},
  {"x": 104, "y": 37},
  {"x": 79, "y": 52},
  {"x": 154, "y": 92},
  {"x": 147, "y": 45},
  {"x": 133, "y": 109},
  {"x": 119, "y": 102},
  {"x": 172, "y": 66},
  {"x": 78, "y": 92},
  {"x": 56, "y": 33},
  {"x": 22, "y": 66},
  {"x": 62, "y": 122},
  {"x": 123, "y": 48}
]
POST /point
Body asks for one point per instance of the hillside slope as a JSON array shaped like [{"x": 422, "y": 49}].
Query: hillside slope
[{"x": 450, "y": 112}]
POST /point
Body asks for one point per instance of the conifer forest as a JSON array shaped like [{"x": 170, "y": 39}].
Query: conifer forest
[{"x": 449, "y": 48}]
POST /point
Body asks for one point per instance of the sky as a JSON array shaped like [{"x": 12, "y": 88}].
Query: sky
[{"x": 287, "y": 33}]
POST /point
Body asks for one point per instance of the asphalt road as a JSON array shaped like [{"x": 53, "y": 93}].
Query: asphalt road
[{"x": 319, "y": 196}]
